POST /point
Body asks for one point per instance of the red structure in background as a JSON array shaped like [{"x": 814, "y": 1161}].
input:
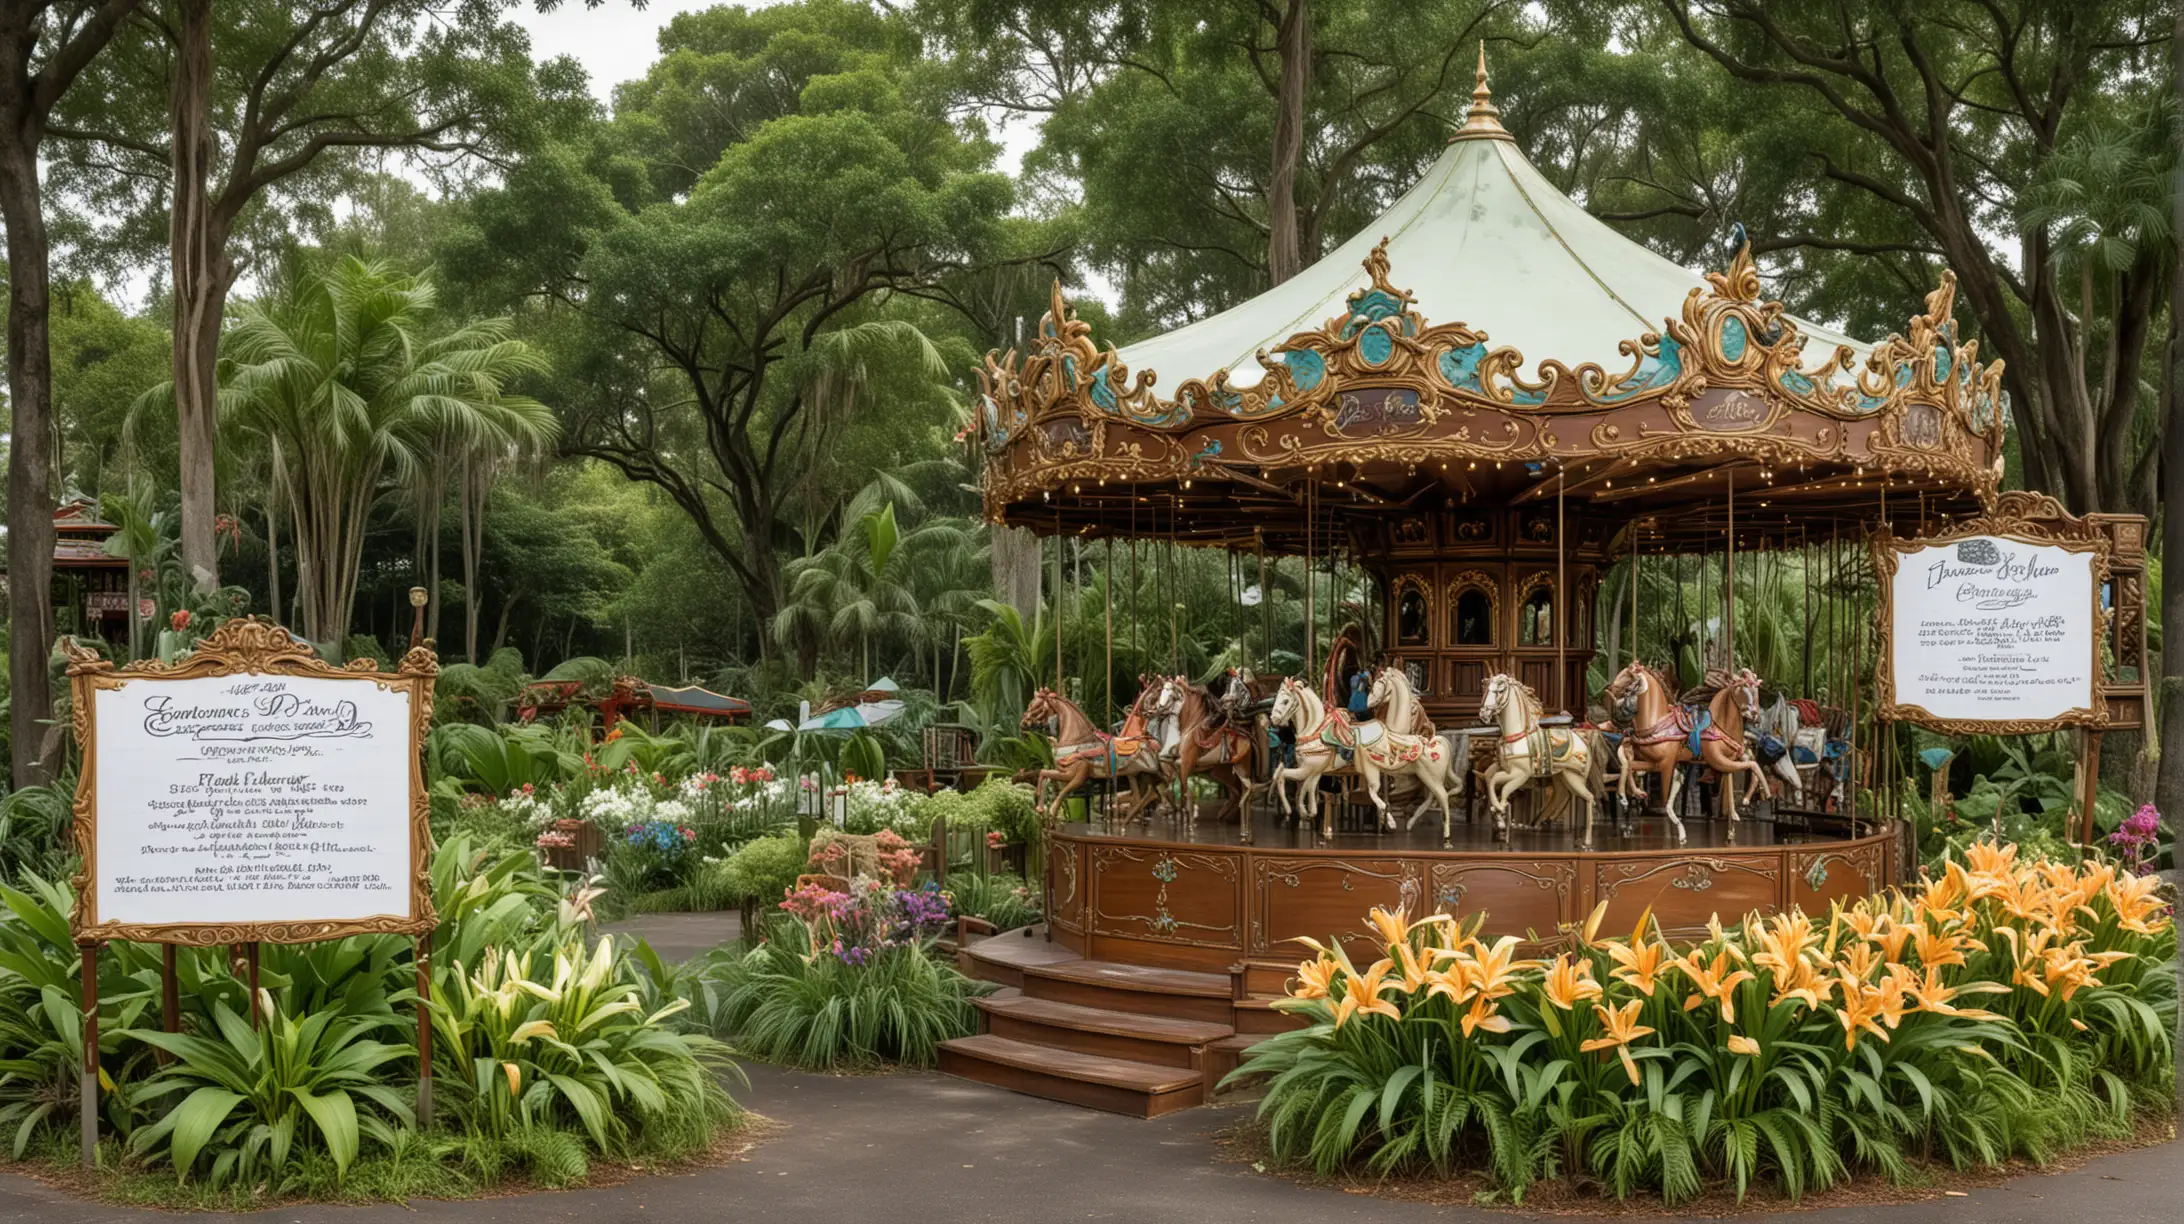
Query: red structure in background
[
  {"x": 630, "y": 696},
  {"x": 91, "y": 587}
]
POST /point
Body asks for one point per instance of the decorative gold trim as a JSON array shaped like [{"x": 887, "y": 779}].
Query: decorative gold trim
[
  {"x": 1378, "y": 383},
  {"x": 1411, "y": 582},
  {"x": 248, "y": 646},
  {"x": 2028, "y": 518}
]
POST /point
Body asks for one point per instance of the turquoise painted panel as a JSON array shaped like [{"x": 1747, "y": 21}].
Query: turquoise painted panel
[
  {"x": 1306, "y": 368},
  {"x": 1460, "y": 367},
  {"x": 1734, "y": 339},
  {"x": 1375, "y": 346}
]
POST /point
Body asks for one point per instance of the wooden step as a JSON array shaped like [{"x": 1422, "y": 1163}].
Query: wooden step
[
  {"x": 1002, "y": 958},
  {"x": 1133, "y": 1036},
  {"x": 1111, "y": 986},
  {"x": 1116, "y": 1085},
  {"x": 1257, "y": 1015},
  {"x": 1223, "y": 1057}
]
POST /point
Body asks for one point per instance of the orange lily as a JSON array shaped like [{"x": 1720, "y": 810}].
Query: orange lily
[
  {"x": 1622, "y": 1028},
  {"x": 1859, "y": 1010},
  {"x": 1315, "y": 978},
  {"x": 1802, "y": 981},
  {"x": 1361, "y": 995},
  {"x": 2138, "y": 908},
  {"x": 1716, "y": 981},
  {"x": 1484, "y": 1015},
  {"x": 1569, "y": 982},
  {"x": 1740, "y": 1044}
]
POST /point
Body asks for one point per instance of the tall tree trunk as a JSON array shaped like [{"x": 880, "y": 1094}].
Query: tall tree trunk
[
  {"x": 2169, "y": 786},
  {"x": 1016, "y": 572},
  {"x": 500, "y": 631},
  {"x": 30, "y": 395},
  {"x": 273, "y": 551},
  {"x": 202, "y": 273},
  {"x": 1293, "y": 46},
  {"x": 470, "y": 521}
]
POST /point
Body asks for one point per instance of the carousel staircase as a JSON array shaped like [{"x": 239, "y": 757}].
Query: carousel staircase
[{"x": 1128, "y": 1039}]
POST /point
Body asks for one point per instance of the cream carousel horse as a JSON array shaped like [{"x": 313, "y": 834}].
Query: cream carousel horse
[
  {"x": 1323, "y": 734},
  {"x": 1391, "y": 691},
  {"x": 1780, "y": 721},
  {"x": 1082, "y": 751},
  {"x": 1577, "y": 759},
  {"x": 1213, "y": 736},
  {"x": 1664, "y": 735}
]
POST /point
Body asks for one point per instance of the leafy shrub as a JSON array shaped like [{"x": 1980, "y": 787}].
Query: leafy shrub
[
  {"x": 320, "y": 1089},
  {"x": 790, "y": 1000},
  {"x": 762, "y": 870},
  {"x": 2005, "y": 1009},
  {"x": 247, "y": 1095},
  {"x": 556, "y": 1036},
  {"x": 37, "y": 832},
  {"x": 995, "y": 804},
  {"x": 1001, "y": 899}
]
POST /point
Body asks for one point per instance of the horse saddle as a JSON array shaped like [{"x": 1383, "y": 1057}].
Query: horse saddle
[
  {"x": 1770, "y": 749},
  {"x": 1698, "y": 724}
]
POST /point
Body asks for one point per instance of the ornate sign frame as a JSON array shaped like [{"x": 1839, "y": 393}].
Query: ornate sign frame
[
  {"x": 2028, "y": 518},
  {"x": 258, "y": 648}
]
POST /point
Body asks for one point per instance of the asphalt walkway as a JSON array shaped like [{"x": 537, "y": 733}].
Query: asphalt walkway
[{"x": 923, "y": 1146}]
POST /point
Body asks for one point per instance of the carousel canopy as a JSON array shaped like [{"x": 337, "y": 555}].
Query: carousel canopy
[{"x": 1487, "y": 342}]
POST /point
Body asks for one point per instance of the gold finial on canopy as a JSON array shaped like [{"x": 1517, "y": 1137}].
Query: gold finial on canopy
[{"x": 1484, "y": 120}]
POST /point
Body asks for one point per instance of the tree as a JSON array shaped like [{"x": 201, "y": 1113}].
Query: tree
[
  {"x": 203, "y": 112},
  {"x": 1269, "y": 126},
  {"x": 2169, "y": 790},
  {"x": 343, "y": 378},
  {"x": 825, "y": 182},
  {"x": 1976, "y": 132},
  {"x": 45, "y": 46}
]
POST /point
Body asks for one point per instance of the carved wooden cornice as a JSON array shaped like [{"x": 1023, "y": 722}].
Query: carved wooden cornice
[{"x": 1729, "y": 377}]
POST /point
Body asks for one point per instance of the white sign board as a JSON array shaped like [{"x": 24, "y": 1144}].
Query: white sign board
[
  {"x": 1988, "y": 629},
  {"x": 243, "y": 798}
]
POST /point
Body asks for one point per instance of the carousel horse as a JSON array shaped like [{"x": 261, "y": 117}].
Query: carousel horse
[
  {"x": 1573, "y": 757},
  {"x": 1324, "y": 735},
  {"x": 1665, "y": 735},
  {"x": 1437, "y": 766},
  {"x": 1209, "y": 739},
  {"x": 1082, "y": 751},
  {"x": 1772, "y": 737},
  {"x": 1392, "y": 693}
]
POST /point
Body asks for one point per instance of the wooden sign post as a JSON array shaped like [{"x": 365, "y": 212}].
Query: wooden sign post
[
  {"x": 250, "y": 793},
  {"x": 1996, "y": 628}
]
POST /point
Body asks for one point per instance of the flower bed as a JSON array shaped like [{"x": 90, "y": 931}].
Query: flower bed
[{"x": 2006, "y": 1009}]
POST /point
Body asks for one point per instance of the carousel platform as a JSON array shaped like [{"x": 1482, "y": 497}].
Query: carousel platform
[{"x": 1167, "y": 944}]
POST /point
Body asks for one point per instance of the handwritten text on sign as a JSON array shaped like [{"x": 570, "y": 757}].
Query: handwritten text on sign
[
  {"x": 1993, "y": 628},
  {"x": 252, "y": 799}
]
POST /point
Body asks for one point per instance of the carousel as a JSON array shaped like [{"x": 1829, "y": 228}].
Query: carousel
[{"x": 1484, "y": 401}]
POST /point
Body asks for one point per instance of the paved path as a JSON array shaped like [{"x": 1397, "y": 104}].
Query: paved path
[
  {"x": 922, "y": 1147},
  {"x": 679, "y": 937}
]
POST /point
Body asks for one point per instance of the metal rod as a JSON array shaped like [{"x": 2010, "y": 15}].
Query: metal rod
[
  {"x": 1729, "y": 584},
  {"x": 170, "y": 998},
  {"x": 1562, "y": 597},
  {"x": 87, "y": 1087},
  {"x": 424, "y": 1026}
]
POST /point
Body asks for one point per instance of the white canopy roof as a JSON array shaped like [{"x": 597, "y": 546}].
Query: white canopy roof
[{"x": 1484, "y": 240}]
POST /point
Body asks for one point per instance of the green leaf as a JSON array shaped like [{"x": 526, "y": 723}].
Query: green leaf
[{"x": 195, "y": 1121}]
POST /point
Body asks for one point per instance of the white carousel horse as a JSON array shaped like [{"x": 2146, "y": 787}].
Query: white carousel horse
[
  {"x": 1324, "y": 734},
  {"x": 1577, "y": 759},
  {"x": 1391, "y": 692},
  {"x": 1780, "y": 721},
  {"x": 1426, "y": 757}
]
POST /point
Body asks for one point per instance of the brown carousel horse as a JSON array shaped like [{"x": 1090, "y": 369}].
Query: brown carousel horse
[
  {"x": 1214, "y": 735},
  {"x": 1083, "y": 752},
  {"x": 1663, "y": 734}
]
